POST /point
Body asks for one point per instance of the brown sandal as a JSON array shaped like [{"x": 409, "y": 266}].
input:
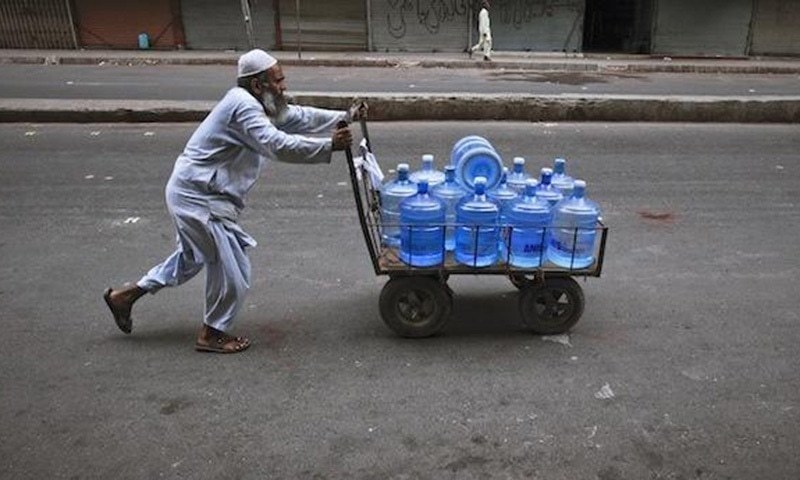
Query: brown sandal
[
  {"x": 223, "y": 343},
  {"x": 122, "y": 315}
]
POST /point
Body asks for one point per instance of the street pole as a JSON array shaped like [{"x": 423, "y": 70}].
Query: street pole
[
  {"x": 71, "y": 23},
  {"x": 299, "y": 44},
  {"x": 248, "y": 24},
  {"x": 368, "y": 8}
]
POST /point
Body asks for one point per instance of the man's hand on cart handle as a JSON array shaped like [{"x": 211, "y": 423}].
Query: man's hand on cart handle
[
  {"x": 342, "y": 138},
  {"x": 358, "y": 110}
]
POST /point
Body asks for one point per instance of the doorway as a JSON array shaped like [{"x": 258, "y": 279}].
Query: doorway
[{"x": 622, "y": 26}]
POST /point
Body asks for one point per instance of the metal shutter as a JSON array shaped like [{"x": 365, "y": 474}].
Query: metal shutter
[
  {"x": 219, "y": 24},
  {"x": 105, "y": 24},
  {"x": 776, "y": 28},
  {"x": 538, "y": 26},
  {"x": 35, "y": 24},
  {"x": 702, "y": 27},
  {"x": 324, "y": 24},
  {"x": 406, "y": 25}
]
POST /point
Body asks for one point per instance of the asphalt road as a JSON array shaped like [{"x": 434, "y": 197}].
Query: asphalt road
[
  {"x": 684, "y": 364},
  {"x": 175, "y": 82}
]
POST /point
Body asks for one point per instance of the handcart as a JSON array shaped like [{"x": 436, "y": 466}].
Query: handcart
[{"x": 417, "y": 302}]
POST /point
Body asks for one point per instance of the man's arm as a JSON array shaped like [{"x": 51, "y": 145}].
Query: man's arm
[
  {"x": 300, "y": 119},
  {"x": 273, "y": 143}
]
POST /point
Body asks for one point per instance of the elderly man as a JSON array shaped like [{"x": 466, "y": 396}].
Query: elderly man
[
  {"x": 206, "y": 192},
  {"x": 485, "y": 33}
]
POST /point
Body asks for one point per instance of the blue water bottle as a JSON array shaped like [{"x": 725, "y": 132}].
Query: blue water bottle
[
  {"x": 450, "y": 192},
  {"x": 473, "y": 156},
  {"x": 427, "y": 172},
  {"x": 546, "y": 190},
  {"x": 503, "y": 195},
  {"x": 518, "y": 176},
  {"x": 477, "y": 232},
  {"x": 422, "y": 221},
  {"x": 572, "y": 236},
  {"x": 561, "y": 180},
  {"x": 392, "y": 193},
  {"x": 528, "y": 218}
]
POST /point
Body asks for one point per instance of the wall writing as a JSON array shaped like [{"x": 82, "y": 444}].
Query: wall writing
[{"x": 432, "y": 14}]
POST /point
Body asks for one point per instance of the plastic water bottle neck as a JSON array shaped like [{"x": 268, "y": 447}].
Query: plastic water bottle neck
[
  {"x": 547, "y": 178},
  {"x": 518, "y": 167},
  {"x": 558, "y": 166},
  {"x": 579, "y": 191},
  {"x": 422, "y": 188},
  {"x": 402, "y": 175}
]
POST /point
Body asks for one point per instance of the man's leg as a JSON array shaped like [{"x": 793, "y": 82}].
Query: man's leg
[
  {"x": 176, "y": 269},
  {"x": 487, "y": 47},
  {"x": 227, "y": 283}
]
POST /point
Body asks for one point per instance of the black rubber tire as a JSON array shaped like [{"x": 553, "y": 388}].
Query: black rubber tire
[
  {"x": 415, "y": 307},
  {"x": 553, "y": 307}
]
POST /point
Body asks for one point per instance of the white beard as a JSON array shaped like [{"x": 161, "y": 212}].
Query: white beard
[{"x": 276, "y": 106}]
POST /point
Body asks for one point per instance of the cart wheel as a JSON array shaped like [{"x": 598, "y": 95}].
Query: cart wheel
[
  {"x": 554, "y": 307},
  {"x": 521, "y": 281},
  {"x": 415, "y": 307}
]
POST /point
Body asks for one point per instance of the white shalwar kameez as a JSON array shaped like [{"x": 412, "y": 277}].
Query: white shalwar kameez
[
  {"x": 207, "y": 189},
  {"x": 485, "y": 32}
]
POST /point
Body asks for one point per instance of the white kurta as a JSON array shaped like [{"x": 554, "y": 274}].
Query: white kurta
[
  {"x": 208, "y": 187},
  {"x": 485, "y": 32}
]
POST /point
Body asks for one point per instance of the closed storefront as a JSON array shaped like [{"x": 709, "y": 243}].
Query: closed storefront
[
  {"x": 413, "y": 26},
  {"x": 324, "y": 24},
  {"x": 219, "y": 24},
  {"x": 104, "y": 24},
  {"x": 543, "y": 25},
  {"x": 36, "y": 24},
  {"x": 702, "y": 27},
  {"x": 776, "y": 28}
]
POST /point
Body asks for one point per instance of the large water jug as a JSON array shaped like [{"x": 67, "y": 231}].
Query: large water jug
[
  {"x": 528, "y": 217},
  {"x": 392, "y": 193},
  {"x": 477, "y": 231},
  {"x": 450, "y": 192},
  {"x": 422, "y": 221},
  {"x": 473, "y": 156},
  {"x": 427, "y": 172},
  {"x": 503, "y": 196},
  {"x": 546, "y": 190},
  {"x": 573, "y": 234},
  {"x": 518, "y": 176},
  {"x": 561, "y": 180}
]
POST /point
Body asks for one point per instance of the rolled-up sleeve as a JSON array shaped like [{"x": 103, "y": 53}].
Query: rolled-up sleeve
[{"x": 271, "y": 142}]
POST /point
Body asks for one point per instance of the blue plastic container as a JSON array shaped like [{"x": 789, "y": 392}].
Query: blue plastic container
[
  {"x": 473, "y": 157},
  {"x": 422, "y": 222},
  {"x": 477, "y": 232},
  {"x": 450, "y": 192},
  {"x": 561, "y": 180},
  {"x": 392, "y": 193},
  {"x": 518, "y": 176},
  {"x": 503, "y": 196},
  {"x": 427, "y": 172},
  {"x": 573, "y": 234},
  {"x": 144, "y": 41},
  {"x": 528, "y": 217},
  {"x": 546, "y": 190}
]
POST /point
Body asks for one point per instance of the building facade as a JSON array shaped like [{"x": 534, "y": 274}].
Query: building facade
[{"x": 730, "y": 28}]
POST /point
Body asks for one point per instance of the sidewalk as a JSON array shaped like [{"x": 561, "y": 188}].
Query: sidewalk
[
  {"x": 515, "y": 60},
  {"x": 392, "y": 107}
]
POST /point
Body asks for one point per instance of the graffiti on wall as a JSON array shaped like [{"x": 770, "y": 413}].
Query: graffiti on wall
[
  {"x": 518, "y": 13},
  {"x": 432, "y": 14}
]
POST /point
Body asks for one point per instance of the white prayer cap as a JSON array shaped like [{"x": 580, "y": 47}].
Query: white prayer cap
[{"x": 255, "y": 61}]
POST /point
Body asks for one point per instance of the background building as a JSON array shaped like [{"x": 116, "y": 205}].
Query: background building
[{"x": 662, "y": 27}]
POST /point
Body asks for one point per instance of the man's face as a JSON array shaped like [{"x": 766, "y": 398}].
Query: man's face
[{"x": 276, "y": 81}]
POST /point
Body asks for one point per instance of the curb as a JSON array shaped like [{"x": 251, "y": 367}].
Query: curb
[
  {"x": 662, "y": 66},
  {"x": 393, "y": 107}
]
